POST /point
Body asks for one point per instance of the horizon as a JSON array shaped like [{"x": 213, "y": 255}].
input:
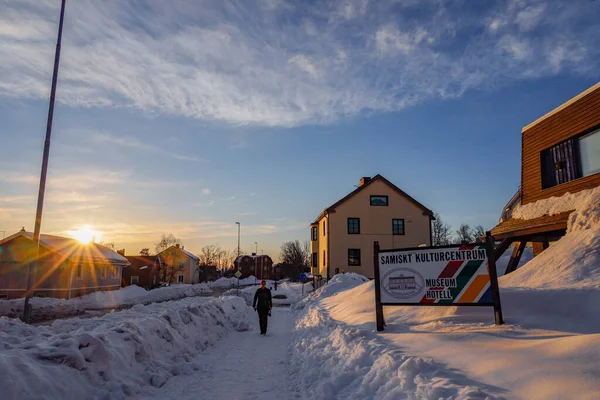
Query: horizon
[{"x": 184, "y": 119}]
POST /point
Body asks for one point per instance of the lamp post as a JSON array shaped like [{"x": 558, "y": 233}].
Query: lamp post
[
  {"x": 238, "y": 250},
  {"x": 255, "y": 262},
  {"x": 42, "y": 189}
]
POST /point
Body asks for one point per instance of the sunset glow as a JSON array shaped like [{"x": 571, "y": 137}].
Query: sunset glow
[{"x": 84, "y": 234}]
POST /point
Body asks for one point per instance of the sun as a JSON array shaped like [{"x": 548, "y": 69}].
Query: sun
[{"x": 84, "y": 235}]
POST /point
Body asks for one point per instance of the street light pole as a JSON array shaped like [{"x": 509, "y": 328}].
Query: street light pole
[
  {"x": 255, "y": 262},
  {"x": 42, "y": 189}
]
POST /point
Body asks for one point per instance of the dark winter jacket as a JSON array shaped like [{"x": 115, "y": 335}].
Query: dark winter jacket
[{"x": 262, "y": 299}]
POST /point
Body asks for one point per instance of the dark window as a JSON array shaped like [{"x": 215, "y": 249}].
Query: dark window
[
  {"x": 353, "y": 226},
  {"x": 78, "y": 273},
  {"x": 353, "y": 256},
  {"x": 324, "y": 258},
  {"x": 315, "y": 233},
  {"x": 560, "y": 164},
  {"x": 324, "y": 232},
  {"x": 315, "y": 259},
  {"x": 398, "y": 226},
  {"x": 379, "y": 200}
]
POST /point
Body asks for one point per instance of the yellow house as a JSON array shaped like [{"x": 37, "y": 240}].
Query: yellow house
[
  {"x": 178, "y": 265},
  {"x": 342, "y": 236}
]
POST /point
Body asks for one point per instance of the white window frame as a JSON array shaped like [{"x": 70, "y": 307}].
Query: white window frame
[
  {"x": 137, "y": 280},
  {"x": 180, "y": 278}
]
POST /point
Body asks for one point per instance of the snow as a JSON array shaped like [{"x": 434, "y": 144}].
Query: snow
[
  {"x": 230, "y": 282},
  {"x": 49, "y": 308},
  {"x": 337, "y": 284},
  {"x": 115, "y": 356},
  {"x": 244, "y": 365},
  {"x": 583, "y": 201},
  {"x": 286, "y": 294}
]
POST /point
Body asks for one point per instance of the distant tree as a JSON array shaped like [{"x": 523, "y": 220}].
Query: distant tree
[
  {"x": 441, "y": 232},
  {"x": 145, "y": 252},
  {"x": 478, "y": 234},
  {"x": 110, "y": 245},
  {"x": 211, "y": 254},
  {"x": 464, "y": 234},
  {"x": 295, "y": 253},
  {"x": 166, "y": 241}
]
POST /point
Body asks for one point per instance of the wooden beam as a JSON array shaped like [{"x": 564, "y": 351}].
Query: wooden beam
[
  {"x": 502, "y": 247},
  {"x": 513, "y": 263}
]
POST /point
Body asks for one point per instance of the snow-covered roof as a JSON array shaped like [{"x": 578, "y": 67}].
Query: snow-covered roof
[
  {"x": 189, "y": 254},
  {"x": 72, "y": 248}
]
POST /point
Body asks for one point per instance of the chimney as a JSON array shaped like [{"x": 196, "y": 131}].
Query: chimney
[
  {"x": 364, "y": 180},
  {"x": 121, "y": 252},
  {"x": 177, "y": 245}
]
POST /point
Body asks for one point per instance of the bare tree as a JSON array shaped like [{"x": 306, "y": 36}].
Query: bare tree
[
  {"x": 463, "y": 234},
  {"x": 441, "y": 232},
  {"x": 166, "y": 241},
  {"x": 478, "y": 234},
  {"x": 145, "y": 252},
  {"x": 211, "y": 254},
  {"x": 295, "y": 253},
  {"x": 110, "y": 245}
]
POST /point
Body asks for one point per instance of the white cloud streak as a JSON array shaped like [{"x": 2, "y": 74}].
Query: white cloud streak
[{"x": 283, "y": 63}]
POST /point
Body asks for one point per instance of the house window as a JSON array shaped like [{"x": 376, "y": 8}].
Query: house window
[
  {"x": 324, "y": 231},
  {"x": 135, "y": 280},
  {"x": 377, "y": 200},
  {"x": 324, "y": 258},
  {"x": 353, "y": 226},
  {"x": 398, "y": 227},
  {"x": 115, "y": 272},
  {"x": 103, "y": 271},
  {"x": 180, "y": 278},
  {"x": 589, "y": 147},
  {"x": 3, "y": 296},
  {"x": 560, "y": 164},
  {"x": 354, "y": 257},
  {"x": 315, "y": 259},
  {"x": 314, "y": 233},
  {"x": 78, "y": 272}
]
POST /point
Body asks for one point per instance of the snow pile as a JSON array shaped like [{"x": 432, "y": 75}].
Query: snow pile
[
  {"x": 43, "y": 309},
  {"x": 584, "y": 200},
  {"x": 232, "y": 282},
  {"x": 338, "y": 283},
  {"x": 114, "y": 356},
  {"x": 333, "y": 361},
  {"x": 287, "y": 293},
  {"x": 502, "y": 262}
]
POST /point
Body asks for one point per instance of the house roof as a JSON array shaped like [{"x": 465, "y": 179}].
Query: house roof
[
  {"x": 187, "y": 253},
  {"x": 138, "y": 262},
  {"x": 377, "y": 177},
  {"x": 72, "y": 248}
]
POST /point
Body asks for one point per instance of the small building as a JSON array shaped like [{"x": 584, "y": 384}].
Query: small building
[
  {"x": 142, "y": 271},
  {"x": 560, "y": 153},
  {"x": 343, "y": 234},
  {"x": 177, "y": 265},
  {"x": 260, "y": 266},
  {"x": 65, "y": 268}
]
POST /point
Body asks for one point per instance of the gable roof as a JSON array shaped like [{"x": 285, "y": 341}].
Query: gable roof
[
  {"x": 72, "y": 248},
  {"x": 187, "y": 253},
  {"x": 378, "y": 177}
]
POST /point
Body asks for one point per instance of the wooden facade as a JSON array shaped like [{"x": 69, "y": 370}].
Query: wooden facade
[
  {"x": 551, "y": 166},
  {"x": 578, "y": 116}
]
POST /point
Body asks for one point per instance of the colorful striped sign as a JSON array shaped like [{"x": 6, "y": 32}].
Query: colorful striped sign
[{"x": 435, "y": 276}]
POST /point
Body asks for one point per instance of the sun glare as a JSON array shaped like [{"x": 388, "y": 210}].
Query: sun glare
[{"x": 84, "y": 234}]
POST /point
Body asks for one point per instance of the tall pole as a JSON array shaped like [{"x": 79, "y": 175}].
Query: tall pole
[
  {"x": 40, "y": 203},
  {"x": 255, "y": 262}
]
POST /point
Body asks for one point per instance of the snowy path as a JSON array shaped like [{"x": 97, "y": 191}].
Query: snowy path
[{"x": 245, "y": 365}]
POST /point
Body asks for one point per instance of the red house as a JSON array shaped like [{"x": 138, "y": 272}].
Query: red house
[
  {"x": 142, "y": 271},
  {"x": 260, "y": 266}
]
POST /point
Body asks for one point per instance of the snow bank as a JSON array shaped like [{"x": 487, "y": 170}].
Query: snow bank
[
  {"x": 286, "y": 294},
  {"x": 48, "y": 308},
  {"x": 584, "y": 200},
  {"x": 337, "y": 284},
  {"x": 232, "y": 282},
  {"x": 116, "y": 355},
  {"x": 334, "y": 361}
]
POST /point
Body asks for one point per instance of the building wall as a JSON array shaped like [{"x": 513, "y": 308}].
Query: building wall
[
  {"x": 375, "y": 225},
  {"x": 54, "y": 274},
  {"x": 314, "y": 248},
  {"x": 573, "y": 119},
  {"x": 184, "y": 265}
]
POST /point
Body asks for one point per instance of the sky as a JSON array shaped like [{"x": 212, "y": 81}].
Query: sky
[{"x": 184, "y": 117}]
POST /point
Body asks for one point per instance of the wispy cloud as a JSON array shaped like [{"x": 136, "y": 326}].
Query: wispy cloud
[
  {"x": 276, "y": 62},
  {"x": 104, "y": 137}
]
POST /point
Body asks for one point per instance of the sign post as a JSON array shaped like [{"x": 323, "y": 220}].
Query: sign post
[
  {"x": 455, "y": 275},
  {"x": 303, "y": 279},
  {"x": 237, "y": 275}
]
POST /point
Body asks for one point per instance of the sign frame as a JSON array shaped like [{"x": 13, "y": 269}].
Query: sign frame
[{"x": 492, "y": 271}]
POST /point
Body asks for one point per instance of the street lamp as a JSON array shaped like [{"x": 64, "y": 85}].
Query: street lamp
[
  {"x": 238, "y": 252},
  {"x": 42, "y": 189},
  {"x": 255, "y": 262}
]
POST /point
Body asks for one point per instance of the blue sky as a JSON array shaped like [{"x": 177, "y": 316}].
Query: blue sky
[{"x": 187, "y": 116}]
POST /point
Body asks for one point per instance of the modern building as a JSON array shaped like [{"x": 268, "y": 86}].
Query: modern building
[
  {"x": 560, "y": 153},
  {"x": 342, "y": 236},
  {"x": 177, "y": 265},
  {"x": 260, "y": 266},
  {"x": 65, "y": 268}
]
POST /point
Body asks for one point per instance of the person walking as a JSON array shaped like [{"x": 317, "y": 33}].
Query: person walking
[{"x": 263, "y": 304}]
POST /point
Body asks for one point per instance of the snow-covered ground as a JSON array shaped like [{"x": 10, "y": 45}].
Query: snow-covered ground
[
  {"x": 115, "y": 356},
  {"x": 49, "y": 308},
  {"x": 287, "y": 293}
]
